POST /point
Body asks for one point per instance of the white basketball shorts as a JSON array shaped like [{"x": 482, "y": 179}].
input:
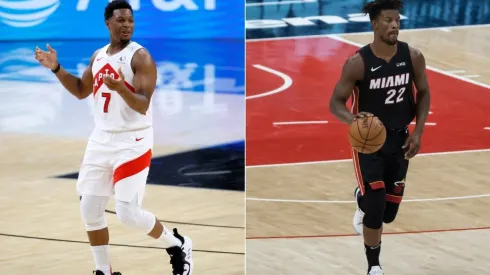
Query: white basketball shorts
[{"x": 116, "y": 164}]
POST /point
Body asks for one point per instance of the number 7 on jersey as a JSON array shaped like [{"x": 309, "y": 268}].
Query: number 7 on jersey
[{"x": 107, "y": 97}]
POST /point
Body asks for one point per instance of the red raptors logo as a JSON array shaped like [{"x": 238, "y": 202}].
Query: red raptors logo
[{"x": 107, "y": 70}]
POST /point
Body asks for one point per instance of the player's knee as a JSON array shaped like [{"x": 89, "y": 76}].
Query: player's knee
[
  {"x": 389, "y": 218},
  {"x": 390, "y": 212},
  {"x": 393, "y": 201},
  {"x": 373, "y": 205},
  {"x": 132, "y": 215},
  {"x": 92, "y": 209},
  {"x": 125, "y": 212}
]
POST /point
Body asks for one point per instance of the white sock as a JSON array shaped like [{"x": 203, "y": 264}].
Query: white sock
[
  {"x": 101, "y": 258},
  {"x": 169, "y": 239}
]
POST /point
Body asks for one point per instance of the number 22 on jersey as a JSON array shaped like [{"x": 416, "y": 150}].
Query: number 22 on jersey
[{"x": 393, "y": 96}]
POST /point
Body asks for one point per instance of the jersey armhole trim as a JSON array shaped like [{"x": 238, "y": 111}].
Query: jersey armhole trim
[{"x": 132, "y": 56}]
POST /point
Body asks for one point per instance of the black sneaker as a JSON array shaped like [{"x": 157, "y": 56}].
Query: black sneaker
[
  {"x": 181, "y": 257},
  {"x": 98, "y": 272}
]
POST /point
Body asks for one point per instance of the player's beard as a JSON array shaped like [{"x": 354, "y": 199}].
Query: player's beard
[
  {"x": 125, "y": 38},
  {"x": 389, "y": 41}
]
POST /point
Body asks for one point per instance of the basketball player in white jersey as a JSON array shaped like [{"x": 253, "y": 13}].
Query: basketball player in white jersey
[{"x": 121, "y": 78}]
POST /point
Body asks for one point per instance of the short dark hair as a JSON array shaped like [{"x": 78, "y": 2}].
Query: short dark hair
[
  {"x": 116, "y": 5},
  {"x": 375, "y": 7}
]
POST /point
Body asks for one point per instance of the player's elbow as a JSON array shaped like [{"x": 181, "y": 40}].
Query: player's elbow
[
  {"x": 83, "y": 91},
  {"x": 83, "y": 94},
  {"x": 143, "y": 108},
  {"x": 331, "y": 105},
  {"x": 423, "y": 92},
  {"x": 334, "y": 105}
]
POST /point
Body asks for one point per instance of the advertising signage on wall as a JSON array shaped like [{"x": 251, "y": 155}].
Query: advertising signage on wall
[{"x": 84, "y": 19}]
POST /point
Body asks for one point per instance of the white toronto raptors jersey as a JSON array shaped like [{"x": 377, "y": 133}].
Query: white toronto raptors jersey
[{"x": 111, "y": 112}]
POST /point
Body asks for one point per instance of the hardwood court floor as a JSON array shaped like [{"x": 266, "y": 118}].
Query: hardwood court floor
[
  {"x": 310, "y": 232},
  {"x": 34, "y": 204}
]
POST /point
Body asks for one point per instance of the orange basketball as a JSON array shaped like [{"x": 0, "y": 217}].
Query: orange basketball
[{"x": 367, "y": 135}]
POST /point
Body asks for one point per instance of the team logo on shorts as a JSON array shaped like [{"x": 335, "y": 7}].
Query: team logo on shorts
[{"x": 399, "y": 186}]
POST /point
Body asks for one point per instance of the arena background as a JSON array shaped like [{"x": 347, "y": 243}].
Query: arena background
[{"x": 197, "y": 174}]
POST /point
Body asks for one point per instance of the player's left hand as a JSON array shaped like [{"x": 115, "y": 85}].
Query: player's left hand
[
  {"x": 412, "y": 145},
  {"x": 115, "y": 84}
]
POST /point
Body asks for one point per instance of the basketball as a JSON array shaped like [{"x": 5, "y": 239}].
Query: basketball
[{"x": 367, "y": 134}]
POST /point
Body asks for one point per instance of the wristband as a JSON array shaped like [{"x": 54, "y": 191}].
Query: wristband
[{"x": 57, "y": 68}]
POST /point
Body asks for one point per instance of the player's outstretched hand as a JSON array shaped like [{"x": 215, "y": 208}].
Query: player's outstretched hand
[
  {"x": 115, "y": 84},
  {"x": 412, "y": 145},
  {"x": 48, "y": 59}
]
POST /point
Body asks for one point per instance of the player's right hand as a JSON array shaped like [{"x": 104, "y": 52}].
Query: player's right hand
[
  {"x": 48, "y": 59},
  {"x": 362, "y": 114}
]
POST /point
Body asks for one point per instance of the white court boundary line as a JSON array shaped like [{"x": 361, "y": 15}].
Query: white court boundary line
[
  {"x": 345, "y": 202},
  {"x": 287, "y": 82},
  {"x": 349, "y": 160},
  {"x": 280, "y": 3},
  {"x": 300, "y": 122}
]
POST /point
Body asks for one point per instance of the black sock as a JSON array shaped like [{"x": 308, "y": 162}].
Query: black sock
[{"x": 372, "y": 255}]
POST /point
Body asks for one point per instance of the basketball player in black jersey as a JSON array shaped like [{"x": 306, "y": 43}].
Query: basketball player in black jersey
[{"x": 380, "y": 78}]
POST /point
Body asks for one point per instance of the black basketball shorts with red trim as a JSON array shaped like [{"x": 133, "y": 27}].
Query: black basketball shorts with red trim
[{"x": 386, "y": 169}]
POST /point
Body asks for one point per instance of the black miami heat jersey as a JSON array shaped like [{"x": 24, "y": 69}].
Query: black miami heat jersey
[{"x": 386, "y": 90}]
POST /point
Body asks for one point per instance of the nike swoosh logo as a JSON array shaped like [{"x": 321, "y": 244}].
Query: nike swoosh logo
[
  {"x": 374, "y": 69},
  {"x": 138, "y": 139},
  {"x": 99, "y": 58}
]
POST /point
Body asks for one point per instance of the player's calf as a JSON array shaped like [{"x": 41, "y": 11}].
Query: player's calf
[
  {"x": 390, "y": 212},
  {"x": 92, "y": 209},
  {"x": 179, "y": 247},
  {"x": 133, "y": 216},
  {"x": 373, "y": 204}
]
